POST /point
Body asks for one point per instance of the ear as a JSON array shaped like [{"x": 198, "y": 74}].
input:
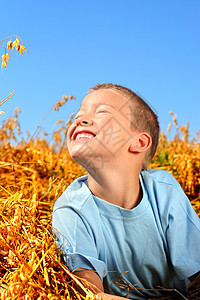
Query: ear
[{"x": 141, "y": 143}]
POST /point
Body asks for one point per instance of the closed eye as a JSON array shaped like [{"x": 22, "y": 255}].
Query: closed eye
[
  {"x": 102, "y": 111},
  {"x": 77, "y": 117},
  {"x": 104, "y": 108}
]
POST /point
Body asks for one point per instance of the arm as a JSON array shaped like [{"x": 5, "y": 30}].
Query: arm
[{"x": 95, "y": 284}]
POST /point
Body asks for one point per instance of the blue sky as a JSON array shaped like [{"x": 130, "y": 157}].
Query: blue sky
[{"x": 149, "y": 46}]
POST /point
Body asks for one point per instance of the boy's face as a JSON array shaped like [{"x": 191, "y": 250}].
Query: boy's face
[{"x": 101, "y": 130}]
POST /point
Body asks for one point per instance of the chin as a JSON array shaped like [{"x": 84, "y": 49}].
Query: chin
[
  {"x": 75, "y": 156},
  {"x": 78, "y": 156},
  {"x": 77, "y": 151}
]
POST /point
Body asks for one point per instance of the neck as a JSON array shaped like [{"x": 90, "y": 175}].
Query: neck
[{"x": 116, "y": 186}]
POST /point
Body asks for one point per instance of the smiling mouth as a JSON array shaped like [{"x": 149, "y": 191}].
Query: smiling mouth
[{"x": 83, "y": 135}]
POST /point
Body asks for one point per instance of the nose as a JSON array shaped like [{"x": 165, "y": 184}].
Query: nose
[{"x": 84, "y": 121}]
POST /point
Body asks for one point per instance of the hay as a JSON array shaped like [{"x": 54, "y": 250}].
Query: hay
[{"x": 33, "y": 175}]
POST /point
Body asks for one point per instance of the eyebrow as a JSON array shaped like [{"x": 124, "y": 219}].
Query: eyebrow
[
  {"x": 97, "y": 105},
  {"x": 105, "y": 104}
]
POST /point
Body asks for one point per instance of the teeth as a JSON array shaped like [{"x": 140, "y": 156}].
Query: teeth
[{"x": 83, "y": 135}]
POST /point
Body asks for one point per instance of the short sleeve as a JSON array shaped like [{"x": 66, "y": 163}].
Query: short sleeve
[
  {"x": 75, "y": 238},
  {"x": 183, "y": 236}
]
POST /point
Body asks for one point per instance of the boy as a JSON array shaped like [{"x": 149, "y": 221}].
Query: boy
[{"x": 125, "y": 229}]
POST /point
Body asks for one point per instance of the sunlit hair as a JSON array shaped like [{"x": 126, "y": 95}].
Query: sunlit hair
[{"x": 143, "y": 119}]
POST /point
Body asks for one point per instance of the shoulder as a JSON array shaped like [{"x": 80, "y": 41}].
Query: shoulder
[
  {"x": 167, "y": 196},
  {"x": 160, "y": 177},
  {"x": 75, "y": 195},
  {"x": 163, "y": 190}
]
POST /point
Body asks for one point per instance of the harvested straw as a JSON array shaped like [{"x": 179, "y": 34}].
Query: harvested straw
[{"x": 33, "y": 175}]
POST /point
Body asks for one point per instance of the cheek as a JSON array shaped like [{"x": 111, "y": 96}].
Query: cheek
[
  {"x": 70, "y": 132},
  {"x": 115, "y": 136},
  {"x": 69, "y": 141}
]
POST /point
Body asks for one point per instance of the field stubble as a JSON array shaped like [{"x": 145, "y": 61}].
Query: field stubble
[{"x": 33, "y": 174}]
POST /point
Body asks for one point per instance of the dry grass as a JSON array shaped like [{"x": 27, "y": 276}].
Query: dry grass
[
  {"x": 16, "y": 44},
  {"x": 33, "y": 174},
  {"x": 8, "y": 47}
]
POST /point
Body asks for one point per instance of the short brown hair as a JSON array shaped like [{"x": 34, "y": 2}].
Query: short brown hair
[{"x": 143, "y": 118}]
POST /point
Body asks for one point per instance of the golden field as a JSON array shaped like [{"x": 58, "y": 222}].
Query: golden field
[{"x": 33, "y": 174}]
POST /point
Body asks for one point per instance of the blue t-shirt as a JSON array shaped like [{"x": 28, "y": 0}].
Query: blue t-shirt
[{"x": 157, "y": 243}]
